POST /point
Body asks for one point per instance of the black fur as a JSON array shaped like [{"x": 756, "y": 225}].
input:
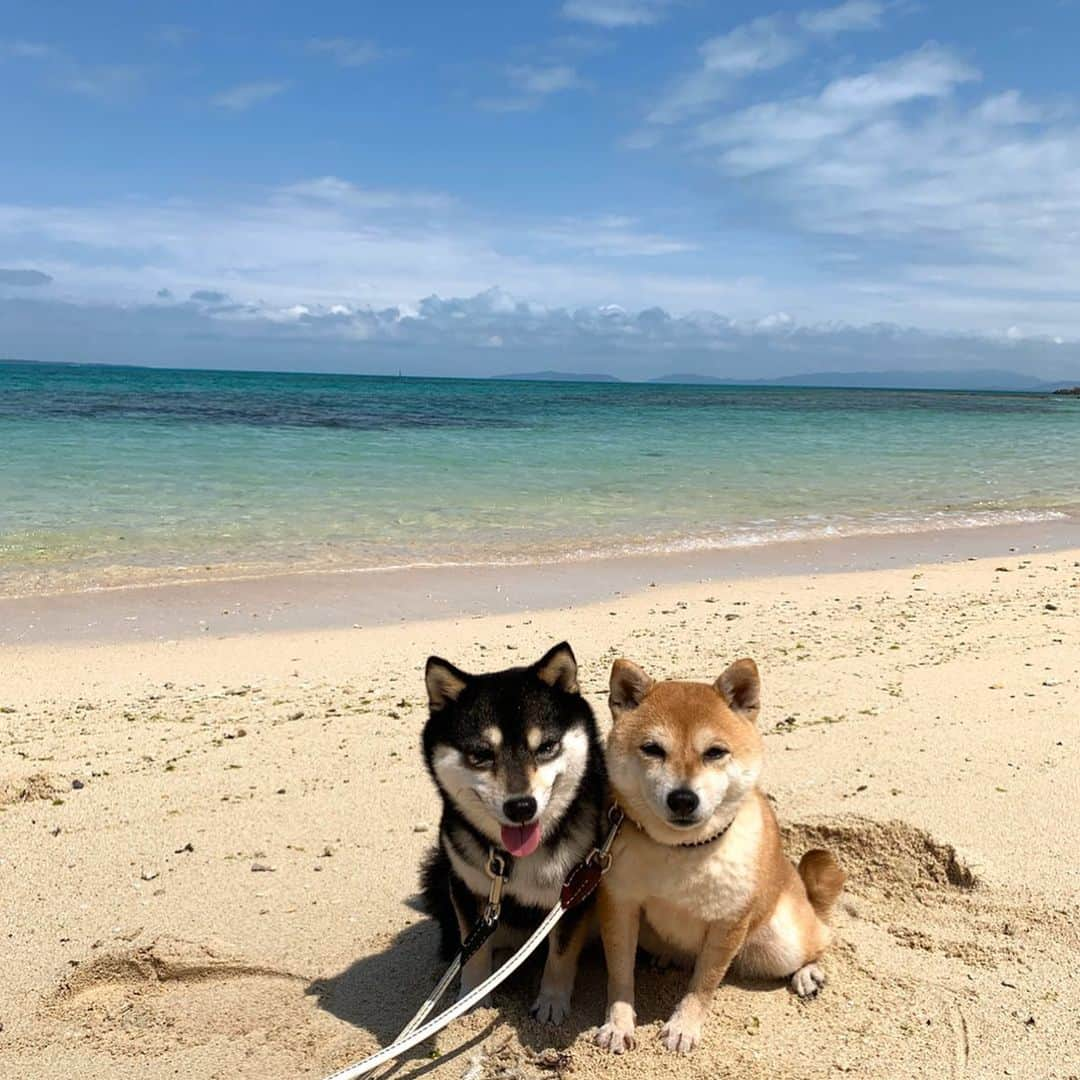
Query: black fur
[{"x": 514, "y": 701}]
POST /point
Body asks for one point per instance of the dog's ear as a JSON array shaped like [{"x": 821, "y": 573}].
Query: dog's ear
[
  {"x": 444, "y": 682},
  {"x": 629, "y": 685},
  {"x": 740, "y": 686},
  {"x": 558, "y": 668}
]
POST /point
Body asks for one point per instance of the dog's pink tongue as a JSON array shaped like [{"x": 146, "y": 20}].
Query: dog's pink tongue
[{"x": 521, "y": 840}]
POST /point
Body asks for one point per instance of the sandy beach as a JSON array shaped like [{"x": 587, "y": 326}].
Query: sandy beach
[
  {"x": 211, "y": 837},
  {"x": 338, "y": 337}
]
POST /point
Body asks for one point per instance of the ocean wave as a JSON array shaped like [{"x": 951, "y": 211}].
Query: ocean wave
[{"x": 759, "y": 535}]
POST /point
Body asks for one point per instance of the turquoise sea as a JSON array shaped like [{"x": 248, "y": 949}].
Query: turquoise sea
[{"x": 110, "y": 475}]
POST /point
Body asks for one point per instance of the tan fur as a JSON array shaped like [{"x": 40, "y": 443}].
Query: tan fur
[
  {"x": 734, "y": 902},
  {"x": 823, "y": 879}
]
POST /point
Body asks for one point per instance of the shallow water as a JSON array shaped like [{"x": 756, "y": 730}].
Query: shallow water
[{"x": 115, "y": 474}]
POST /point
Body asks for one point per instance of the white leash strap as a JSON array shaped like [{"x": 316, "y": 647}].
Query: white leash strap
[
  {"x": 580, "y": 883},
  {"x": 408, "y": 1039},
  {"x": 432, "y": 999},
  {"x": 496, "y": 869}
]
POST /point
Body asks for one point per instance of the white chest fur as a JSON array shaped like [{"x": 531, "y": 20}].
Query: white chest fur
[{"x": 681, "y": 890}]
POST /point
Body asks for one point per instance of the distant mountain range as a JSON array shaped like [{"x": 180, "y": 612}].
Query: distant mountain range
[
  {"x": 987, "y": 379},
  {"x": 980, "y": 379},
  {"x": 881, "y": 380}
]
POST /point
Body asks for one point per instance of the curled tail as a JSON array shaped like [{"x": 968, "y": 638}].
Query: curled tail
[{"x": 823, "y": 878}]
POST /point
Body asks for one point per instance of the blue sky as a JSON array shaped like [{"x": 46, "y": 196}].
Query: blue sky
[{"x": 633, "y": 186}]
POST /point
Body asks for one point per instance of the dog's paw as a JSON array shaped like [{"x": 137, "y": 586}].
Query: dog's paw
[
  {"x": 551, "y": 1007},
  {"x": 615, "y": 1038},
  {"x": 681, "y": 1034},
  {"x": 808, "y": 981}
]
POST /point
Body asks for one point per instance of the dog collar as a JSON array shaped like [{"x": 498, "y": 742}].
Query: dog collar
[
  {"x": 689, "y": 843},
  {"x": 708, "y": 840}
]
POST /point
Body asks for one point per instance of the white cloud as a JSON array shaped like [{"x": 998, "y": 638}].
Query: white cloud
[
  {"x": 616, "y": 14},
  {"x": 494, "y": 332},
  {"x": 613, "y": 236},
  {"x": 102, "y": 82},
  {"x": 777, "y": 133},
  {"x": 853, "y": 15},
  {"x": 1008, "y": 108},
  {"x": 531, "y": 84},
  {"x": 757, "y": 46},
  {"x": 106, "y": 83},
  {"x": 345, "y": 52},
  {"x": 972, "y": 227},
  {"x": 243, "y": 97},
  {"x": 967, "y": 202},
  {"x": 778, "y": 320},
  {"x": 327, "y": 241},
  {"x": 543, "y": 80},
  {"x": 929, "y": 72},
  {"x": 334, "y": 190},
  {"x": 761, "y": 45},
  {"x": 27, "y": 50}
]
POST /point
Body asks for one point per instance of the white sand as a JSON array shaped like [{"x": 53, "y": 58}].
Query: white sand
[{"x": 934, "y": 744}]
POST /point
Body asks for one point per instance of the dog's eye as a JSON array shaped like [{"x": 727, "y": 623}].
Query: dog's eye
[
  {"x": 653, "y": 750},
  {"x": 716, "y": 753},
  {"x": 480, "y": 759},
  {"x": 549, "y": 749}
]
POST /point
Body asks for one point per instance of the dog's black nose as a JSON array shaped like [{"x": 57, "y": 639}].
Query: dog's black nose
[
  {"x": 682, "y": 801},
  {"x": 521, "y": 808}
]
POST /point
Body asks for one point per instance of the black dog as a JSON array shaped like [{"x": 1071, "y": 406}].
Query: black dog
[{"x": 517, "y": 760}]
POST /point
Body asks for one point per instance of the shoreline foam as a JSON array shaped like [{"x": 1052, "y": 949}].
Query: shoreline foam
[
  {"x": 757, "y": 535},
  {"x": 308, "y": 600}
]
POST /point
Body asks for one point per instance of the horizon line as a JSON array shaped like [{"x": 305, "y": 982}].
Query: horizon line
[{"x": 695, "y": 379}]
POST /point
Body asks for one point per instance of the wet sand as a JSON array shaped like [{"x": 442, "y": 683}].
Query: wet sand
[{"x": 370, "y": 598}]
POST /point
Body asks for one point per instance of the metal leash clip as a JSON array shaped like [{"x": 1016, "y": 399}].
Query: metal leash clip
[
  {"x": 498, "y": 872},
  {"x": 603, "y": 853}
]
